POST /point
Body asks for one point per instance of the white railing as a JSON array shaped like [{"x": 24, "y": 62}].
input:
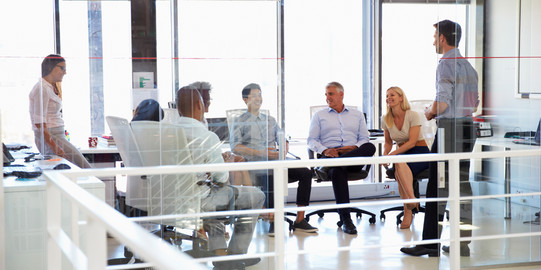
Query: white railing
[{"x": 102, "y": 218}]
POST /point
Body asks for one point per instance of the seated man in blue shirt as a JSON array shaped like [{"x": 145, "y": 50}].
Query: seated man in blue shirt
[
  {"x": 339, "y": 131},
  {"x": 254, "y": 136}
]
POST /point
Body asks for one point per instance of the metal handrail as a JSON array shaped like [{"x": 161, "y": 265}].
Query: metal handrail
[{"x": 117, "y": 227}]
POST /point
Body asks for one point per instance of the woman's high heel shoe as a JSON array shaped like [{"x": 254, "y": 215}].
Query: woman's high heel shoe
[{"x": 406, "y": 219}]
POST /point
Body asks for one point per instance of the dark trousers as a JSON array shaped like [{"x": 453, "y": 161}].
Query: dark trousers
[
  {"x": 459, "y": 137},
  {"x": 339, "y": 176},
  {"x": 302, "y": 175}
]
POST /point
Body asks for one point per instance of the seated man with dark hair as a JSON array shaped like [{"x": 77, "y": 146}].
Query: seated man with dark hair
[
  {"x": 254, "y": 136},
  {"x": 216, "y": 193}
]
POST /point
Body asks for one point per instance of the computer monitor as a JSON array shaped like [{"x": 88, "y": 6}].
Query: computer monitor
[{"x": 219, "y": 126}]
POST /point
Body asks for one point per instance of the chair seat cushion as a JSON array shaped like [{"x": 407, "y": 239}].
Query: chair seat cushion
[{"x": 352, "y": 176}]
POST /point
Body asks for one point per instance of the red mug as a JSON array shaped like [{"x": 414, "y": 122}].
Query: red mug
[{"x": 92, "y": 142}]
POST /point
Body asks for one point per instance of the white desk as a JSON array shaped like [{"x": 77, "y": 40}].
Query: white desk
[
  {"x": 103, "y": 156},
  {"x": 102, "y": 148},
  {"x": 506, "y": 144},
  {"x": 25, "y": 216}
]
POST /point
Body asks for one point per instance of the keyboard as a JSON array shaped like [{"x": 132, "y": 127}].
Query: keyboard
[{"x": 23, "y": 171}]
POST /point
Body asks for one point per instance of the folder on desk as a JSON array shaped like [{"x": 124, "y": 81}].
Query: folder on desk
[{"x": 529, "y": 140}]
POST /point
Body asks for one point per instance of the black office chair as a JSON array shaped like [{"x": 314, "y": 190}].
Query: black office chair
[
  {"x": 416, "y": 178},
  {"x": 352, "y": 176}
]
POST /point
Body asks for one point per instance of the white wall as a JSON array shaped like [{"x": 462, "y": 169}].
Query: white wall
[{"x": 501, "y": 73}]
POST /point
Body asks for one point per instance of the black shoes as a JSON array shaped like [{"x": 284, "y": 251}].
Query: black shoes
[
  {"x": 464, "y": 250},
  {"x": 229, "y": 265},
  {"x": 322, "y": 173},
  {"x": 349, "y": 228},
  {"x": 236, "y": 264},
  {"x": 304, "y": 226},
  {"x": 420, "y": 251}
]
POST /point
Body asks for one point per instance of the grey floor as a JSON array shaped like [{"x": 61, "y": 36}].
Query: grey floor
[{"x": 524, "y": 252}]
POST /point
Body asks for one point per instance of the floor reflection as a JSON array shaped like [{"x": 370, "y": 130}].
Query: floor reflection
[{"x": 319, "y": 253}]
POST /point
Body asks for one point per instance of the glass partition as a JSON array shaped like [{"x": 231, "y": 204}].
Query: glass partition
[
  {"x": 476, "y": 109},
  {"x": 250, "y": 70}
]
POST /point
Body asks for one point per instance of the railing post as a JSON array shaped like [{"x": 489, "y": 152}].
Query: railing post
[
  {"x": 454, "y": 212},
  {"x": 96, "y": 245},
  {"x": 54, "y": 255},
  {"x": 75, "y": 236},
  {"x": 507, "y": 187},
  {"x": 280, "y": 175}
]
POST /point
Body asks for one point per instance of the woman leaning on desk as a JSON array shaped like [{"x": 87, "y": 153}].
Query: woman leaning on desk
[
  {"x": 46, "y": 113},
  {"x": 403, "y": 126}
]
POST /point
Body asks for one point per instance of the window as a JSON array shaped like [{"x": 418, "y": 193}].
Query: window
[
  {"x": 323, "y": 43},
  {"x": 407, "y": 40},
  {"x": 22, "y": 49}
]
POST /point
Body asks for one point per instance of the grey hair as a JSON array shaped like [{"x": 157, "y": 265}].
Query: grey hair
[
  {"x": 201, "y": 85},
  {"x": 338, "y": 86}
]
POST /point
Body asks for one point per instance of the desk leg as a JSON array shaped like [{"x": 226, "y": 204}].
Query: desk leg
[
  {"x": 380, "y": 151},
  {"x": 507, "y": 188}
]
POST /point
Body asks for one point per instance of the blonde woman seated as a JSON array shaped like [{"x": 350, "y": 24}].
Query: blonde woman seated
[{"x": 403, "y": 126}]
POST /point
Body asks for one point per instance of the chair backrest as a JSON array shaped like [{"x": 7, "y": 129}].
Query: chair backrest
[
  {"x": 428, "y": 128},
  {"x": 234, "y": 113},
  {"x": 136, "y": 186},
  {"x": 170, "y": 116},
  {"x": 165, "y": 144}
]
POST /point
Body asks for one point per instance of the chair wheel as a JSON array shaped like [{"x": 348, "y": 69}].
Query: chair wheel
[
  {"x": 307, "y": 218},
  {"x": 359, "y": 215},
  {"x": 339, "y": 223},
  {"x": 372, "y": 220},
  {"x": 320, "y": 215},
  {"x": 398, "y": 221},
  {"x": 382, "y": 217}
]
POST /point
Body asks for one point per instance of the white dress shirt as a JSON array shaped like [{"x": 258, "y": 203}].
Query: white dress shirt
[
  {"x": 205, "y": 147},
  {"x": 45, "y": 105}
]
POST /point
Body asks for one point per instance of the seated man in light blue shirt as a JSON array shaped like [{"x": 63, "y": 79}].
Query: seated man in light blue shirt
[
  {"x": 339, "y": 131},
  {"x": 254, "y": 136}
]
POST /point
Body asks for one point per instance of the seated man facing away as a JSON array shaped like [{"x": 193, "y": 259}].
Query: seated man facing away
[
  {"x": 254, "y": 136},
  {"x": 216, "y": 194},
  {"x": 339, "y": 131},
  {"x": 239, "y": 178}
]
